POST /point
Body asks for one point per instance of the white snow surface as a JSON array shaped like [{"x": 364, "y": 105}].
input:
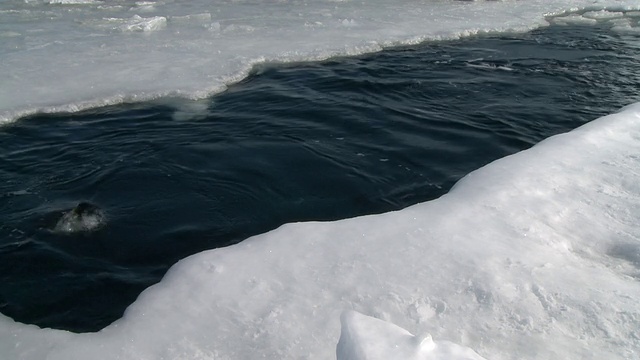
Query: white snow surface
[
  {"x": 534, "y": 256},
  {"x": 67, "y": 55}
]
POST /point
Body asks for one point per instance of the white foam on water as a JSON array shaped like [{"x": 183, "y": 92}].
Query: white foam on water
[
  {"x": 534, "y": 256},
  {"x": 67, "y": 55}
]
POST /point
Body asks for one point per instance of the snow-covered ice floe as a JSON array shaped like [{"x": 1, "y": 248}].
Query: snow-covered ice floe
[
  {"x": 68, "y": 55},
  {"x": 534, "y": 256}
]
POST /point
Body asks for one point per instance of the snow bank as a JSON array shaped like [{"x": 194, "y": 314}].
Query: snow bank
[
  {"x": 66, "y": 55},
  {"x": 534, "y": 256}
]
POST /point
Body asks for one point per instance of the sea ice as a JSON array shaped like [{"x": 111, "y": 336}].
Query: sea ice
[
  {"x": 524, "y": 258},
  {"x": 67, "y": 55}
]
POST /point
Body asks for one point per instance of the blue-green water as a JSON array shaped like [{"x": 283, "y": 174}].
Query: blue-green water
[{"x": 312, "y": 141}]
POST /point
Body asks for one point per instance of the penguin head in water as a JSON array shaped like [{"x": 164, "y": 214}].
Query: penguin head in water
[{"x": 85, "y": 217}]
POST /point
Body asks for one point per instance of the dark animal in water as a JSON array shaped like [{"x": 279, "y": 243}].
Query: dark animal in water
[{"x": 84, "y": 217}]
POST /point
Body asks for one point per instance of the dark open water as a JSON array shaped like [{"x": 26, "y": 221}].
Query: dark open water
[{"x": 313, "y": 141}]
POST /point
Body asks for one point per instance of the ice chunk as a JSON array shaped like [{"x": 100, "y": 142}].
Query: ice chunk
[
  {"x": 367, "y": 338},
  {"x": 625, "y": 25},
  {"x": 603, "y": 14},
  {"x": 139, "y": 23},
  {"x": 573, "y": 19}
]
